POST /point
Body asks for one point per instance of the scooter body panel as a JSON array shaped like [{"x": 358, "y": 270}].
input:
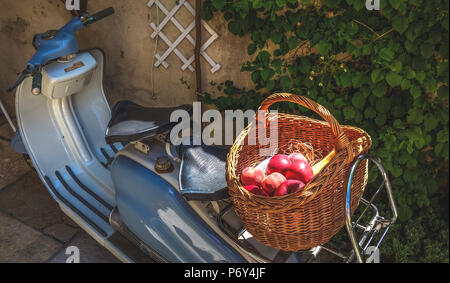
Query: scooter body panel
[
  {"x": 63, "y": 133},
  {"x": 157, "y": 213},
  {"x": 64, "y": 137}
]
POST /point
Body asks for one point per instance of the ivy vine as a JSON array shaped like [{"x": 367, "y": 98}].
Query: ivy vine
[{"x": 385, "y": 71}]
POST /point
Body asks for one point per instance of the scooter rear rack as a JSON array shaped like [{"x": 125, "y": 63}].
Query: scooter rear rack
[{"x": 377, "y": 225}]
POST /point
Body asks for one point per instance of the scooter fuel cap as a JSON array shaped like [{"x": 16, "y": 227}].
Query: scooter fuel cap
[{"x": 163, "y": 165}]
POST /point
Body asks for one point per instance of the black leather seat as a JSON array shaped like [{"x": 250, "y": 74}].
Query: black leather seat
[
  {"x": 202, "y": 172},
  {"x": 131, "y": 122}
]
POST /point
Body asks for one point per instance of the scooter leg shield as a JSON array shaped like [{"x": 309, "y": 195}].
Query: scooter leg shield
[{"x": 64, "y": 137}]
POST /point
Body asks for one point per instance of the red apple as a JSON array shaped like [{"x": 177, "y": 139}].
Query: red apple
[
  {"x": 278, "y": 163},
  {"x": 272, "y": 182},
  {"x": 300, "y": 170},
  {"x": 293, "y": 157},
  {"x": 256, "y": 190},
  {"x": 252, "y": 176},
  {"x": 288, "y": 187}
]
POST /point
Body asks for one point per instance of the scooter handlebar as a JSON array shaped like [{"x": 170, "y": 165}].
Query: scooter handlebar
[
  {"x": 100, "y": 15},
  {"x": 56, "y": 47}
]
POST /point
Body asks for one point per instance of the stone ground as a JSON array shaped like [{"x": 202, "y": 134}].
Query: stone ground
[{"x": 32, "y": 226}]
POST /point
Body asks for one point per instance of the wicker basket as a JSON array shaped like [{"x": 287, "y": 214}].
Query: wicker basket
[{"x": 310, "y": 217}]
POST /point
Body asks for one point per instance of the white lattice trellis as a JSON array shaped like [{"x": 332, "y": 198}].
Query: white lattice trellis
[{"x": 172, "y": 46}]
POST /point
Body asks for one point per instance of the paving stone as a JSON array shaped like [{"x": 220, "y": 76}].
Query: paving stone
[
  {"x": 61, "y": 231},
  {"x": 90, "y": 251},
  {"x": 20, "y": 243},
  {"x": 12, "y": 164},
  {"x": 28, "y": 200}
]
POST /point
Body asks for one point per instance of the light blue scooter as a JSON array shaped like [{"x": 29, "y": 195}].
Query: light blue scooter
[{"x": 142, "y": 198}]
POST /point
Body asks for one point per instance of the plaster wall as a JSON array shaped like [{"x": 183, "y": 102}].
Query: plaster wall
[{"x": 125, "y": 37}]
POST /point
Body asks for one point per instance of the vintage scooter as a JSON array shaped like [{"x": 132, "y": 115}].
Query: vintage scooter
[{"x": 134, "y": 192}]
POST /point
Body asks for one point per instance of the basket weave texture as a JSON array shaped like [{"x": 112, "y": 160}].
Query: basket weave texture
[{"x": 312, "y": 216}]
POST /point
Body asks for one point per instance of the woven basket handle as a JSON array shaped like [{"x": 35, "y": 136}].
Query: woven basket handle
[{"x": 342, "y": 141}]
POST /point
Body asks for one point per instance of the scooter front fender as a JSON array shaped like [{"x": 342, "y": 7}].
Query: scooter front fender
[{"x": 156, "y": 212}]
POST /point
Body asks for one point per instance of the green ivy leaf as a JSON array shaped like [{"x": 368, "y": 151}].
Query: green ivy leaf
[
  {"x": 370, "y": 113},
  {"x": 380, "y": 89},
  {"x": 380, "y": 120},
  {"x": 414, "y": 116},
  {"x": 219, "y": 4},
  {"x": 411, "y": 47},
  {"x": 377, "y": 75},
  {"x": 367, "y": 49},
  {"x": 324, "y": 47},
  {"x": 396, "y": 66},
  {"x": 358, "y": 79},
  {"x": 205, "y": 13},
  {"x": 427, "y": 50},
  {"x": 398, "y": 124},
  {"x": 430, "y": 85},
  {"x": 352, "y": 28},
  {"x": 406, "y": 84},
  {"x": 394, "y": 3},
  {"x": 383, "y": 105},
  {"x": 234, "y": 27},
  {"x": 393, "y": 79},
  {"x": 349, "y": 113},
  {"x": 256, "y": 76},
  {"x": 443, "y": 91},
  {"x": 270, "y": 85},
  {"x": 400, "y": 24},
  {"x": 387, "y": 54},
  {"x": 242, "y": 7},
  {"x": 396, "y": 171},
  {"x": 276, "y": 37},
  {"x": 430, "y": 122},
  {"x": 410, "y": 74},
  {"x": 277, "y": 65},
  {"x": 420, "y": 76},
  {"x": 256, "y": 4},
  {"x": 442, "y": 136},
  {"x": 358, "y": 100},
  {"x": 285, "y": 82},
  {"x": 251, "y": 49},
  {"x": 293, "y": 42},
  {"x": 266, "y": 74},
  {"x": 228, "y": 16},
  {"x": 280, "y": 3},
  {"x": 263, "y": 57},
  {"x": 331, "y": 3},
  {"x": 404, "y": 212},
  {"x": 346, "y": 79}
]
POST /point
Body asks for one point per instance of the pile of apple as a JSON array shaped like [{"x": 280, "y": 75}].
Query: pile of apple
[{"x": 283, "y": 175}]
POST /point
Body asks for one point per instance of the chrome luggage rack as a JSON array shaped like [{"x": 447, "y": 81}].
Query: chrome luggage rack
[{"x": 377, "y": 225}]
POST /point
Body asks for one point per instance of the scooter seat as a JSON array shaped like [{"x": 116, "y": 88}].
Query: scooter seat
[
  {"x": 202, "y": 172},
  {"x": 131, "y": 122}
]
